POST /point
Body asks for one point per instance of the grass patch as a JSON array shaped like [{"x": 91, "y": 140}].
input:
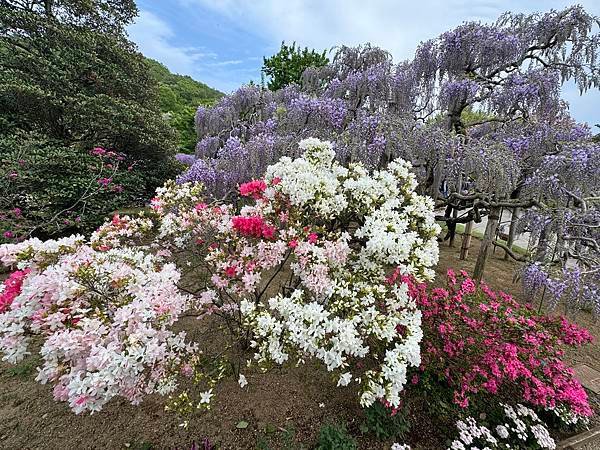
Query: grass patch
[
  {"x": 460, "y": 230},
  {"x": 278, "y": 438},
  {"x": 25, "y": 369},
  {"x": 335, "y": 437}
]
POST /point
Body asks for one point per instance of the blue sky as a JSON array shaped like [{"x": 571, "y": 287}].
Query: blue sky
[{"x": 222, "y": 42}]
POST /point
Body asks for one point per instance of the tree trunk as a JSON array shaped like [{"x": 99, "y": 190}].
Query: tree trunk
[
  {"x": 455, "y": 210},
  {"x": 542, "y": 246},
  {"x": 453, "y": 235},
  {"x": 466, "y": 241},
  {"x": 512, "y": 231},
  {"x": 48, "y": 8},
  {"x": 488, "y": 238},
  {"x": 437, "y": 179}
]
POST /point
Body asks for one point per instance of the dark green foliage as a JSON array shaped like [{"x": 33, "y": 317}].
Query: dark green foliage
[
  {"x": 179, "y": 98},
  {"x": 57, "y": 190},
  {"x": 101, "y": 15},
  {"x": 287, "y": 65},
  {"x": 335, "y": 437},
  {"x": 70, "y": 80},
  {"x": 79, "y": 84},
  {"x": 380, "y": 422}
]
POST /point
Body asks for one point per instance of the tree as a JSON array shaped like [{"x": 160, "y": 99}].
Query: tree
[
  {"x": 69, "y": 72},
  {"x": 179, "y": 97},
  {"x": 512, "y": 69},
  {"x": 287, "y": 65},
  {"x": 69, "y": 76},
  {"x": 477, "y": 111}
]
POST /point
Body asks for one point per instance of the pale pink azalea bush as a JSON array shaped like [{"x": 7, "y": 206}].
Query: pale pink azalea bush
[
  {"x": 121, "y": 230},
  {"x": 105, "y": 318}
]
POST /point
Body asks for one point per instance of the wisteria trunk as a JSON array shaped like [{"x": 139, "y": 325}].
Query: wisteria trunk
[
  {"x": 488, "y": 238},
  {"x": 512, "y": 232},
  {"x": 466, "y": 241}
]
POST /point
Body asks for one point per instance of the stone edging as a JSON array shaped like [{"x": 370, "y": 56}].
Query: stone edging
[{"x": 575, "y": 442}]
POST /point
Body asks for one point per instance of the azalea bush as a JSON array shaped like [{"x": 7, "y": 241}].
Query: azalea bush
[
  {"x": 50, "y": 190},
  {"x": 302, "y": 268},
  {"x": 104, "y": 317},
  {"x": 303, "y": 265},
  {"x": 482, "y": 344}
]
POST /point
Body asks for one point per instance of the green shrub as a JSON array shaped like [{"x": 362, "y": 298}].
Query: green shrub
[
  {"x": 50, "y": 189},
  {"x": 335, "y": 437},
  {"x": 380, "y": 422}
]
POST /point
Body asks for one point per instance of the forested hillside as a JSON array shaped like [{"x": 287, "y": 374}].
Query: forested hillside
[{"x": 180, "y": 96}]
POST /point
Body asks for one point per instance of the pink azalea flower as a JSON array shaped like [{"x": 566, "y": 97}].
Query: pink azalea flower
[{"x": 254, "y": 189}]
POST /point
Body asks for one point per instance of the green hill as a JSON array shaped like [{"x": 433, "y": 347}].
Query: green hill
[{"x": 180, "y": 96}]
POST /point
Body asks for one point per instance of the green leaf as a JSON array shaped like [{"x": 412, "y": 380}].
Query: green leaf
[{"x": 242, "y": 424}]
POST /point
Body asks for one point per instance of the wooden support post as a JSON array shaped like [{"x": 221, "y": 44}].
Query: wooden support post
[
  {"x": 488, "y": 238},
  {"x": 466, "y": 241}
]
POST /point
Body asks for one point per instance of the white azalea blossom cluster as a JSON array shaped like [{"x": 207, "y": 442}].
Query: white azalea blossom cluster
[
  {"x": 521, "y": 429},
  {"x": 176, "y": 196},
  {"x": 568, "y": 417},
  {"x": 105, "y": 318},
  {"x": 34, "y": 250},
  {"x": 120, "y": 230},
  {"x": 343, "y": 309}
]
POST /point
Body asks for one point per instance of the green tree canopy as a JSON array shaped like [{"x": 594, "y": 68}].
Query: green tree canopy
[
  {"x": 287, "y": 65},
  {"x": 68, "y": 72},
  {"x": 71, "y": 80},
  {"x": 178, "y": 92}
]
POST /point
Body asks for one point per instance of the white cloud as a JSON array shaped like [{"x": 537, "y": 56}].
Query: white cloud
[
  {"x": 154, "y": 38},
  {"x": 231, "y": 62},
  {"x": 396, "y": 25}
]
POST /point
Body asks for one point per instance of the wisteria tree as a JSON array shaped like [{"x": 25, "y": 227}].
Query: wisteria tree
[
  {"x": 477, "y": 111},
  {"x": 511, "y": 71}
]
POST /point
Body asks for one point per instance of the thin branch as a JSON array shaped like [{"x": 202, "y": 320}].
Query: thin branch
[{"x": 510, "y": 253}]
